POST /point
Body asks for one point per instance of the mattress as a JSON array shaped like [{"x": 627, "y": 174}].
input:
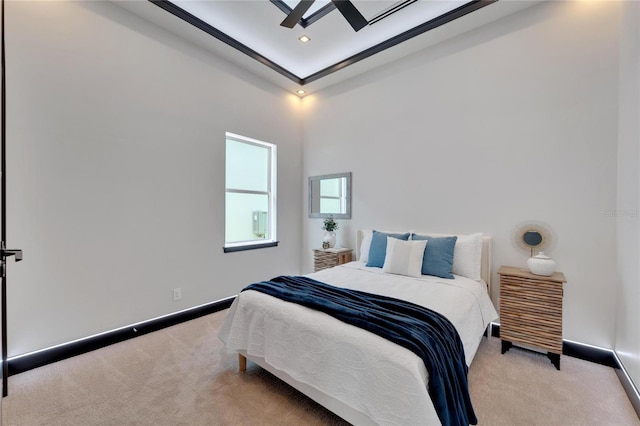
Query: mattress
[{"x": 382, "y": 381}]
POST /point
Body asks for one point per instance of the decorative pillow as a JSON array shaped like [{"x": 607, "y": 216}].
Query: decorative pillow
[
  {"x": 467, "y": 256},
  {"x": 438, "y": 255},
  {"x": 378, "y": 247},
  {"x": 404, "y": 257},
  {"x": 365, "y": 244}
]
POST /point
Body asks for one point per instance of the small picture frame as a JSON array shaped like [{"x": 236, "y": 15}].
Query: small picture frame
[{"x": 325, "y": 245}]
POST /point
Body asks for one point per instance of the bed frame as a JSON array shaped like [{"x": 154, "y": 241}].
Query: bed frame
[
  {"x": 346, "y": 412},
  {"x": 330, "y": 403}
]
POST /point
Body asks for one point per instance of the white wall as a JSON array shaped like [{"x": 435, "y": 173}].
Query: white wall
[
  {"x": 627, "y": 339},
  {"x": 116, "y": 133},
  {"x": 512, "y": 122}
]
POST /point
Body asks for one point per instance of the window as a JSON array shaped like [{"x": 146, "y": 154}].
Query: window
[{"x": 250, "y": 199}]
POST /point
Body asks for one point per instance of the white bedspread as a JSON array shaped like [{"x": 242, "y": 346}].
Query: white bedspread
[{"x": 384, "y": 381}]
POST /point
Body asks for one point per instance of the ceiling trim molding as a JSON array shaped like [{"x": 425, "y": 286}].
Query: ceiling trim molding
[
  {"x": 200, "y": 24},
  {"x": 391, "y": 11},
  {"x": 415, "y": 31}
]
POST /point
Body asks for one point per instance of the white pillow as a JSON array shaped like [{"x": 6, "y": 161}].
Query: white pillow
[
  {"x": 365, "y": 245},
  {"x": 467, "y": 256},
  {"x": 404, "y": 257}
]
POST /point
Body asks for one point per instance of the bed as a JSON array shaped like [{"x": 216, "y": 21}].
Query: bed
[{"x": 358, "y": 375}]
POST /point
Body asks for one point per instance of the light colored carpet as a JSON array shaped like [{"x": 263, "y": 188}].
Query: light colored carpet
[{"x": 183, "y": 376}]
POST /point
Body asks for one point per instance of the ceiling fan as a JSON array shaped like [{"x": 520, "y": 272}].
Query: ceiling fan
[{"x": 345, "y": 7}]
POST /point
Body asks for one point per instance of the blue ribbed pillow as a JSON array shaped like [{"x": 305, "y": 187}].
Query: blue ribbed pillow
[
  {"x": 438, "y": 255},
  {"x": 378, "y": 248}
]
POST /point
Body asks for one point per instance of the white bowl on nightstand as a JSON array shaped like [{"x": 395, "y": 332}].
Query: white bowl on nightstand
[{"x": 541, "y": 264}]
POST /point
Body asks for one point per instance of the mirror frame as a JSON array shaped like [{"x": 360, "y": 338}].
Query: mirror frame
[{"x": 313, "y": 179}]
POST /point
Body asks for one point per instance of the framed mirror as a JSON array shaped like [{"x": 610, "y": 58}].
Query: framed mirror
[
  {"x": 330, "y": 195},
  {"x": 533, "y": 236}
]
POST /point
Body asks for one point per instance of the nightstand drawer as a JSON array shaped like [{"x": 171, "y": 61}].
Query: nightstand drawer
[
  {"x": 530, "y": 319},
  {"x": 543, "y": 341},
  {"x": 545, "y": 334},
  {"x": 534, "y": 306}
]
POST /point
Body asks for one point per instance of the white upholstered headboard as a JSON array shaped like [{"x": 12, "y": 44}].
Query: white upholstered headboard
[{"x": 485, "y": 267}]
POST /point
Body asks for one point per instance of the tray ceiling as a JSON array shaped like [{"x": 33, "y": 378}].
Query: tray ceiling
[{"x": 249, "y": 34}]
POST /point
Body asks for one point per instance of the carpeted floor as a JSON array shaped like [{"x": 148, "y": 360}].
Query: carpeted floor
[{"x": 183, "y": 376}]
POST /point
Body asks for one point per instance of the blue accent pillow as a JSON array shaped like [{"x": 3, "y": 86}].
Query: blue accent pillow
[
  {"x": 438, "y": 255},
  {"x": 378, "y": 248}
]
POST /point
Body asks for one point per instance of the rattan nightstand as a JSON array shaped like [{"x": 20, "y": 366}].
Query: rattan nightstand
[
  {"x": 328, "y": 258},
  {"x": 531, "y": 310}
]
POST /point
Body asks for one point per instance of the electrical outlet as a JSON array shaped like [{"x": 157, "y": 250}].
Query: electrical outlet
[{"x": 177, "y": 294}]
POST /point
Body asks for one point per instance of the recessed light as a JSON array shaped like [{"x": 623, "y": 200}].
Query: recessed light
[
  {"x": 304, "y": 38},
  {"x": 300, "y": 92}
]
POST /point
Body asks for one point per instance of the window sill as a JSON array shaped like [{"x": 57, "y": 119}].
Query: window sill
[{"x": 250, "y": 247}]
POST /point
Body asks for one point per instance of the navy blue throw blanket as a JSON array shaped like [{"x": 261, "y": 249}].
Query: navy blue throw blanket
[{"x": 427, "y": 333}]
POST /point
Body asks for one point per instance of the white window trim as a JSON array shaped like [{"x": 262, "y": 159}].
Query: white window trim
[{"x": 272, "y": 186}]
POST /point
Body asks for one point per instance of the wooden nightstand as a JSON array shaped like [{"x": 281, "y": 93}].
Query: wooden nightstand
[
  {"x": 531, "y": 310},
  {"x": 328, "y": 258}
]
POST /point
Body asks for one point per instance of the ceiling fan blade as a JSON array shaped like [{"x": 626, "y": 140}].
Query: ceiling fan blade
[
  {"x": 351, "y": 14},
  {"x": 297, "y": 13}
]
